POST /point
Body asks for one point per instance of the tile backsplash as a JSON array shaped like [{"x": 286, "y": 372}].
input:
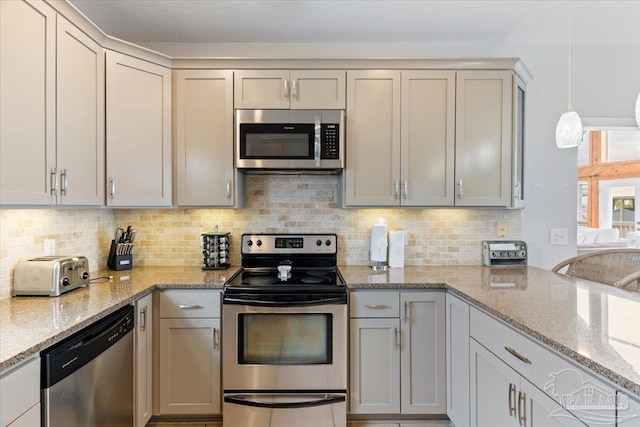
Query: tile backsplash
[{"x": 293, "y": 204}]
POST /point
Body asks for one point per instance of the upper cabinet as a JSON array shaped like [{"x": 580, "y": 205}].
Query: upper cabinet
[
  {"x": 52, "y": 109},
  {"x": 138, "y": 128},
  {"x": 434, "y": 138},
  {"x": 295, "y": 89},
  {"x": 483, "y": 138},
  {"x": 203, "y": 138}
]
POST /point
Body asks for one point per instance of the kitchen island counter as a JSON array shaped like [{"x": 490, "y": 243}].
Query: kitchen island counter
[
  {"x": 28, "y": 325},
  {"x": 593, "y": 324}
]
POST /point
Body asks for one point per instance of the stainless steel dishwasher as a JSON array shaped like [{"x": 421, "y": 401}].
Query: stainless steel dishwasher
[{"x": 87, "y": 379}]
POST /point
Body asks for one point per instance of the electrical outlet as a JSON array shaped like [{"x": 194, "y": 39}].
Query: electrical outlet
[
  {"x": 501, "y": 229},
  {"x": 49, "y": 247},
  {"x": 559, "y": 237}
]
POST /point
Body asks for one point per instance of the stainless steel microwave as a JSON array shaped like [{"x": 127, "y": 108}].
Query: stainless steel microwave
[{"x": 290, "y": 141}]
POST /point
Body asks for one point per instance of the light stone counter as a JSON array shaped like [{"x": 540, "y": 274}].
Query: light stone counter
[
  {"x": 596, "y": 325},
  {"x": 31, "y": 324}
]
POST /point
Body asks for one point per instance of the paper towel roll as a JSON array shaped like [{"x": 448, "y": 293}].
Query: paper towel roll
[
  {"x": 378, "y": 246},
  {"x": 396, "y": 249}
]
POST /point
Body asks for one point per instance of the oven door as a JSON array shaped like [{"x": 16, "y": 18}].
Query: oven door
[
  {"x": 285, "y": 410},
  {"x": 290, "y": 348}
]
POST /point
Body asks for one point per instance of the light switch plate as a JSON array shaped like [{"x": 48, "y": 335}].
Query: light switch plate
[
  {"x": 559, "y": 237},
  {"x": 49, "y": 247}
]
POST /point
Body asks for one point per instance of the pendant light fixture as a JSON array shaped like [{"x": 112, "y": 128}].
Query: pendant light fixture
[{"x": 569, "y": 127}]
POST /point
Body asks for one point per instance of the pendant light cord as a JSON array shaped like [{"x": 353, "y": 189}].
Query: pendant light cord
[{"x": 570, "y": 2}]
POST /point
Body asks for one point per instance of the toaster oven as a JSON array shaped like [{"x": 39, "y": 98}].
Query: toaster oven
[{"x": 50, "y": 276}]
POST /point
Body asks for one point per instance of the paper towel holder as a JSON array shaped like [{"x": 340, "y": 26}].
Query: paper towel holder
[{"x": 379, "y": 265}]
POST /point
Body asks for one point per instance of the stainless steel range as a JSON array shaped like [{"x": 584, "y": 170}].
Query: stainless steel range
[{"x": 285, "y": 334}]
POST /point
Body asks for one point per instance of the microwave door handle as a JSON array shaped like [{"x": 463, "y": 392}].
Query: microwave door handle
[
  {"x": 324, "y": 400},
  {"x": 316, "y": 143}
]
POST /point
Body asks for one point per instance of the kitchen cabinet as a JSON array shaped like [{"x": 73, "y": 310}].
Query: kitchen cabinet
[
  {"x": 457, "y": 353},
  {"x": 203, "y": 138},
  {"x": 143, "y": 357},
  {"x": 138, "y": 129},
  {"x": 80, "y": 117},
  {"x": 397, "y": 363},
  {"x": 52, "y": 109},
  {"x": 544, "y": 382},
  {"x": 20, "y": 395},
  {"x": 189, "y": 352},
  {"x": 483, "y": 138},
  {"x": 434, "y": 138},
  {"x": 628, "y": 410},
  {"x": 290, "y": 89},
  {"x": 501, "y": 397}
]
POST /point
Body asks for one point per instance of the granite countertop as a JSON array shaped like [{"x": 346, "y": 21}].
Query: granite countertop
[
  {"x": 593, "y": 324},
  {"x": 31, "y": 324}
]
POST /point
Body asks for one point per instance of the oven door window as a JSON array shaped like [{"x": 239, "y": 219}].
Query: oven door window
[
  {"x": 284, "y": 339},
  {"x": 272, "y": 141}
]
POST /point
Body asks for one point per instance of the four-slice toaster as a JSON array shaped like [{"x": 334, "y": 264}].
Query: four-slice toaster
[{"x": 50, "y": 275}]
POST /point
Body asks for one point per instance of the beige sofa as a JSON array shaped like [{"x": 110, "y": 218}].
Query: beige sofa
[{"x": 597, "y": 239}]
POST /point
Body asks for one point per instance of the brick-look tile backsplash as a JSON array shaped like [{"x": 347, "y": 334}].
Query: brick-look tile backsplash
[{"x": 293, "y": 204}]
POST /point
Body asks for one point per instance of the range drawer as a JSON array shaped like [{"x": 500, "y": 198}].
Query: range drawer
[
  {"x": 189, "y": 303},
  {"x": 374, "y": 304},
  {"x": 19, "y": 391},
  {"x": 561, "y": 379}
]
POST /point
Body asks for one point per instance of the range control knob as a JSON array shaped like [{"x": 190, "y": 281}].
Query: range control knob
[
  {"x": 259, "y": 243},
  {"x": 318, "y": 242},
  {"x": 328, "y": 242},
  {"x": 250, "y": 243},
  {"x": 65, "y": 281}
]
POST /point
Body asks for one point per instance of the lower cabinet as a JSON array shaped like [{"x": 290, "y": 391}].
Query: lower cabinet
[
  {"x": 20, "y": 395},
  {"x": 189, "y": 352},
  {"x": 628, "y": 410},
  {"x": 143, "y": 360},
  {"x": 457, "y": 350},
  {"x": 397, "y": 361},
  {"x": 501, "y": 397}
]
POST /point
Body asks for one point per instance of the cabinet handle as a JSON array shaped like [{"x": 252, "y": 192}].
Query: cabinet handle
[
  {"x": 376, "y": 306},
  {"x": 285, "y": 89},
  {"x": 143, "y": 324},
  {"x": 518, "y": 191},
  {"x": 294, "y": 90},
  {"x": 112, "y": 184},
  {"x": 405, "y": 190},
  {"x": 518, "y": 355},
  {"x": 216, "y": 339},
  {"x": 460, "y": 190},
  {"x": 64, "y": 183},
  {"x": 316, "y": 141},
  {"x": 228, "y": 188},
  {"x": 398, "y": 337},
  {"x": 54, "y": 185},
  {"x": 522, "y": 409},
  {"x": 512, "y": 397},
  {"x": 406, "y": 311},
  {"x": 396, "y": 189},
  {"x": 190, "y": 307}
]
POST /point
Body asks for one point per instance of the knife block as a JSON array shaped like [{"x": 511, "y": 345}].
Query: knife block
[{"x": 119, "y": 262}]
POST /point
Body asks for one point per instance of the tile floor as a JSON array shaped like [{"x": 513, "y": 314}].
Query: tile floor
[{"x": 353, "y": 424}]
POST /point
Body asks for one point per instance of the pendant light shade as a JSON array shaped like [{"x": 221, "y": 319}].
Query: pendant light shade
[
  {"x": 569, "y": 129},
  {"x": 638, "y": 110}
]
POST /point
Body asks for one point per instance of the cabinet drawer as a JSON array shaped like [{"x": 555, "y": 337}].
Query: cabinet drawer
[
  {"x": 31, "y": 418},
  {"x": 562, "y": 380},
  {"x": 189, "y": 303},
  {"x": 19, "y": 391},
  {"x": 374, "y": 304}
]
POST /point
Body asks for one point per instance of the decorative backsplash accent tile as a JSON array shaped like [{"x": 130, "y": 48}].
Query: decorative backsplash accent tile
[{"x": 292, "y": 204}]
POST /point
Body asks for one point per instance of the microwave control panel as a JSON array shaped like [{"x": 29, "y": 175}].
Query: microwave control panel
[{"x": 330, "y": 141}]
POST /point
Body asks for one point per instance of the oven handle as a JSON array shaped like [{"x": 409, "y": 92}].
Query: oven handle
[
  {"x": 326, "y": 400},
  {"x": 265, "y": 303}
]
